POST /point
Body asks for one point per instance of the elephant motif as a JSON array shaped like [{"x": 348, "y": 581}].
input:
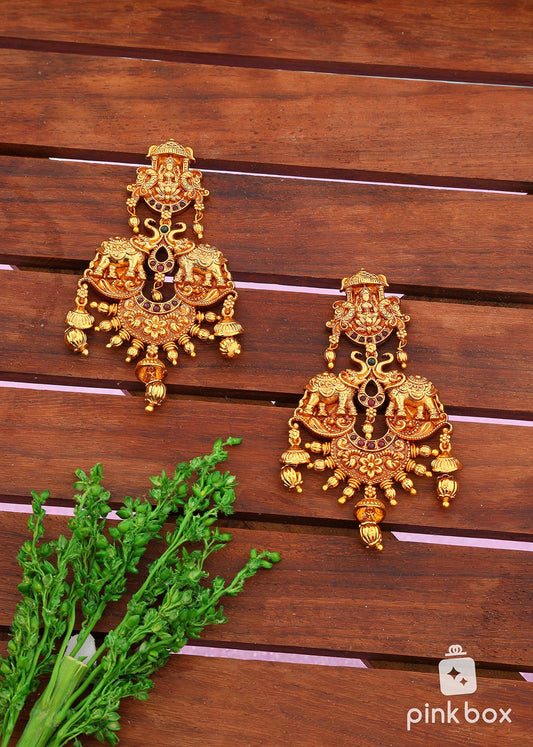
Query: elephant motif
[
  {"x": 326, "y": 389},
  {"x": 206, "y": 260},
  {"x": 115, "y": 252},
  {"x": 417, "y": 393}
]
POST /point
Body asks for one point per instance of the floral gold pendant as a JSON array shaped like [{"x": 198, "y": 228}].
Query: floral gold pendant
[
  {"x": 343, "y": 410},
  {"x": 153, "y": 316}
]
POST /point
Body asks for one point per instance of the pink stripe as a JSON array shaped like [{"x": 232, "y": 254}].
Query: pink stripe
[
  {"x": 233, "y": 653},
  {"x": 287, "y": 288},
  {"x": 295, "y": 289},
  {"x": 304, "y": 178},
  {"x": 63, "y": 388},
  {"x": 25, "y": 508},
  {"x": 490, "y": 421},
  {"x": 436, "y": 539}
]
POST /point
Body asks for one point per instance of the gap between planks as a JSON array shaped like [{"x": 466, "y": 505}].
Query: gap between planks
[
  {"x": 344, "y": 528},
  {"x": 252, "y": 168},
  {"x": 415, "y": 293},
  {"x": 109, "y": 391},
  {"x": 284, "y": 655},
  {"x": 402, "y": 72},
  {"x": 51, "y": 383},
  {"x": 295, "y": 176}
]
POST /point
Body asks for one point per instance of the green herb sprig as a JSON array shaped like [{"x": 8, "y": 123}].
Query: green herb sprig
[{"x": 69, "y": 583}]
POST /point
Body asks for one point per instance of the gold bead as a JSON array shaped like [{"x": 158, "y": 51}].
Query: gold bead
[
  {"x": 77, "y": 340},
  {"x": 291, "y": 478},
  {"x": 155, "y": 394},
  {"x": 229, "y": 347},
  {"x": 329, "y": 356}
]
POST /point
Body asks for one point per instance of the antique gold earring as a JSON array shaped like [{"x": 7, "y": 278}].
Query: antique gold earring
[
  {"x": 132, "y": 272},
  {"x": 410, "y": 406}
]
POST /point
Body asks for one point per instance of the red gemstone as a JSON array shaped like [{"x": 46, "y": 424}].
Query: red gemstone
[
  {"x": 361, "y": 442},
  {"x": 371, "y": 402},
  {"x": 160, "y": 268},
  {"x": 371, "y": 445},
  {"x": 381, "y": 442},
  {"x": 146, "y": 305},
  {"x": 157, "y": 307},
  {"x": 167, "y": 306}
]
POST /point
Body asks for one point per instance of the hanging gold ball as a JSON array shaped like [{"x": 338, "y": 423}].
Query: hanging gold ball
[
  {"x": 155, "y": 394},
  {"x": 77, "y": 340},
  {"x": 401, "y": 357},
  {"x": 291, "y": 478},
  {"x": 229, "y": 347}
]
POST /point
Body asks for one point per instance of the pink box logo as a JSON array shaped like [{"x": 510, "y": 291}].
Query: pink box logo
[{"x": 457, "y": 672}]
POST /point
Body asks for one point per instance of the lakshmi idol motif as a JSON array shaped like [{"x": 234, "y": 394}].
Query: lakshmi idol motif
[
  {"x": 332, "y": 403},
  {"x": 132, "y": 273}
]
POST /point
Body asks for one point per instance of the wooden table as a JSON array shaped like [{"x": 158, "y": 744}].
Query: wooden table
[{"x": 332, "y": 135}]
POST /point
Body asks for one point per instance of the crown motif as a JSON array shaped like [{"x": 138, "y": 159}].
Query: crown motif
[
  {"x": 170, "y": 147},
  {"x": 364, "y": 278}
]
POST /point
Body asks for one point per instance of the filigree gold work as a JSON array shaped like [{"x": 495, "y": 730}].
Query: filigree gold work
[
  {"x": 410, "y": 407},
  {"x": 132, "y": 272}
]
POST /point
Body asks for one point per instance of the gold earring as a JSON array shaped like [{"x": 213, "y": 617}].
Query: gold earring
[
  {"x": 410, "y": 407},
  {"x": 132, "y": 273}
]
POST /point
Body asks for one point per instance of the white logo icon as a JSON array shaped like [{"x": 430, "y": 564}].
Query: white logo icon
[{"x": 457, "y": 673}]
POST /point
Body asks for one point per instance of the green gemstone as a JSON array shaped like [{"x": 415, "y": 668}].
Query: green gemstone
[
  {"x": 164, "y": 229},
  {"x": 371, "y": 361}
]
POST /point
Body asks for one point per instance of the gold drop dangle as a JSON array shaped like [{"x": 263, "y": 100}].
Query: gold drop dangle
[
  {"x": 366, "y": 456},
  {"x": 135, "y": 273}
]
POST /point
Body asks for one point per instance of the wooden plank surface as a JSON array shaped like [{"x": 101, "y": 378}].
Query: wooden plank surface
[
  {"x": 82, "y": 429},
  {"x": 329, "y": 594},
  {"x": 478, "y": 35},
  {"x": 424, "y": 240},
  {"x": 294, "y": 120},
  {"x": 254, "y": 105},
  {"x": 211, "y": 701},
  {"x": 464, "y": 349},
  {"x": 229, "y": 703},
  {"x": 267, "y": 704}
]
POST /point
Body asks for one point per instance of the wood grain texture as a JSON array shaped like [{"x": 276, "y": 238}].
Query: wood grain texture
[
  {"x": 329, "y": 594},
  {"x": 267, "y": 704},
  {"x": 254, "y": 105},
  {"x": 45, "y": 436},
  {"x": 289, "y": 119},
  {"x": 229, "y": 703},
  {"x": 424, "y": 240},
  {"x": 477, "y": 35},
  {"x": 464, "y": 349}
]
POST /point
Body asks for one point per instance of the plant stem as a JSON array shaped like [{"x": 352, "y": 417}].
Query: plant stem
[
  {"x": 49, "y": 711},
  {"x": 60, "y": 655}
]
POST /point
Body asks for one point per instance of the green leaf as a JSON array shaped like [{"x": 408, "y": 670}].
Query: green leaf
[{"x": 232, "y": 441}]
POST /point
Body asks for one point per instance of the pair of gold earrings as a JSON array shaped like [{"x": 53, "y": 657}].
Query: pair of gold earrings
[{"x": 131, "y": 273}]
